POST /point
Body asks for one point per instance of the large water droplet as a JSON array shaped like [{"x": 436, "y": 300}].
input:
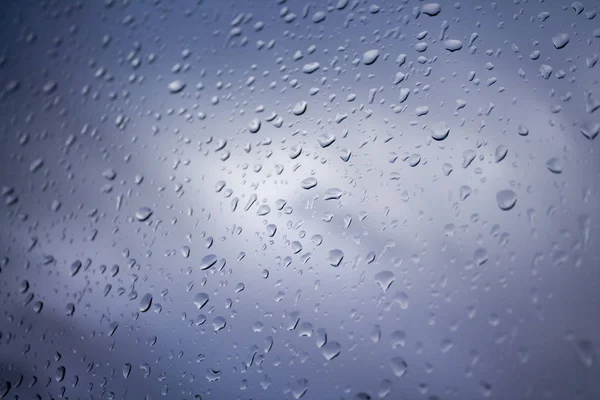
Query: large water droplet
[
  {"x": 331, "y": 350},
  {"x": 309, "y": 183},
  {"x": 200, "y": 300},
  {"x": 208, "y": 261},
  {"x": 431, "y": 9},
  {"x": 335, "y": 257},
  {"x": 385, "y": 279},
  {"x": 146, "y": 302},
  {"x": 440, "y": 131},
  {"x": 176, "y": 86},
  {"x": 553, "y": 164},
  {"x": 560, "y": 40},
  {"x": 143, "y": 213},
  {"x": 370, "y": 56},
  {"x": 506, "y": 199}
]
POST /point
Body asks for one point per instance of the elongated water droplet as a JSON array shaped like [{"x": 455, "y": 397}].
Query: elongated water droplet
[
  {"x": 370, "y": 56},
  {"x": 553, "y": 164},
  {"x": 208, "y": 261}
]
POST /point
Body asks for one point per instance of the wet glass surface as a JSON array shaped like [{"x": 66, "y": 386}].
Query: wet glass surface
[{"x": 275, "y": 199}]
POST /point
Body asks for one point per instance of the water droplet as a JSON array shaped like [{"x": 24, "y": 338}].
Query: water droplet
[
  {"x": 219, "y": 323},
  {"x": 486, "y": 388},
  {"x": 414, "y": 160},
  {"x": 399, "y": 366},
  {"x": 146, "y": 302},
  {"x": 176, "y": 86},
  {"x": 404, "y": 92},
  {"x": 326, "y": 139},
  {"x": 523, "y": 130},
  {"x": 143, "y": 213},
  {"x": 36, "y": 165},
  {"x": 126, "y": 370},
  {"x": 5, "y": 388},
  {"x": 332, "y": 194},
  {"x": 254, "y": 125},
  {"x": 560, "y": 40},
  {"x": 431, "y": 9},
  {"x": 586, "y": 352},
  {"x": 309, "y": 183},
  {"x": 70, "y": 309},
  {"x": 335, "y": 257},
  {"x": 299, "y": 388},
  {"x": 309, "y": 68},
  {"x": 300, "y": 108},
  {"x": 421, "y": 110},
  {"x": 75, "y": 267},
  {"x": 500, "y": 153},
  {"x": 464, "y": 192},
  {"x": 295, "y": 151},
  {"x": 208, "y": 261},
  {"x": 345, "y": 155},
  {"x": 331, "y": 350},
  {"x": 506, "y": 199},
  {"x": 200, "y": 300},
  {"x": 60, "y": 373},
  {"x": 319, "y": 16},
  {"x": 554, "y": 165},
  {"x": 398, "y": 339},
  {"x": 370, "y": 56},
  {"x": 440, "y": 131},
  {"x": 453, "y": 45},
  {"x": 385, "y": 279}
]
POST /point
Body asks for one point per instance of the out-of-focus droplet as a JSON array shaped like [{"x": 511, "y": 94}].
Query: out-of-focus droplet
[
  {"x": 399, "y": 366},
  {"x": 146, "y": 302}
]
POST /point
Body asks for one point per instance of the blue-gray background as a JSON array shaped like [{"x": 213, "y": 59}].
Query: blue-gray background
[{"x": 483, "y": 302}]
